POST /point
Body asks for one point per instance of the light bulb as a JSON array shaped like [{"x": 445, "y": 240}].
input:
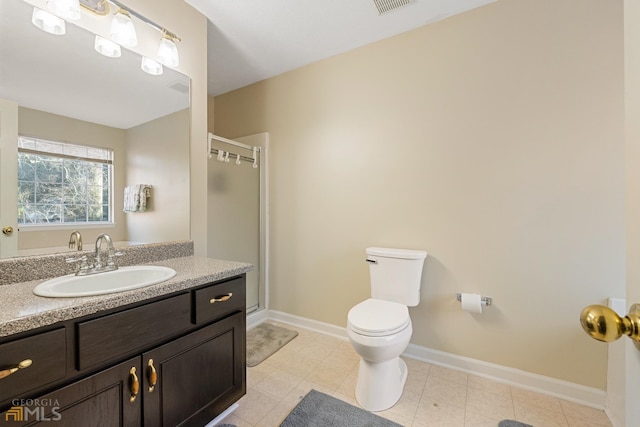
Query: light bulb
[
  {"x": 122, "y": 30},
  {"x": 48, "y": 22},
  {"x": 168, "y": 53},
  {"x": 107, "y": 47},
  {"x": 150, "y": 66},
  {"x": 65, "y": 9}
]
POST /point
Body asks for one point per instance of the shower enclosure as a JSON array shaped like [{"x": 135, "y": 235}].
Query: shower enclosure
[{"x": 237, "y": 209}]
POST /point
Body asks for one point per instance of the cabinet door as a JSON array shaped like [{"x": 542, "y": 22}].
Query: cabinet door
[
  {"x": 44, "y": 358},
  {"x": 197, "y": 376},
  {"x": 101, "y": 400}
]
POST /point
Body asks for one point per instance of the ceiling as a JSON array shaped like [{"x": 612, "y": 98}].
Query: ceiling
[
  {"x": 248, "y": 41},
  {"x": 251, "y": 40}
]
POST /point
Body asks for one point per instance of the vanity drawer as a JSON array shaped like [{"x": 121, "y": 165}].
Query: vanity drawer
[
  {"x": 130, "y": 331},
  {"x": 47, "y": 352},
  {"x": 219, "y": 300}
]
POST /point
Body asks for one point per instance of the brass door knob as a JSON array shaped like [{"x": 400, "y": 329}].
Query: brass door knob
[
  {"x": 7, "y": 230},
  {"x": 604, "y": 324}
]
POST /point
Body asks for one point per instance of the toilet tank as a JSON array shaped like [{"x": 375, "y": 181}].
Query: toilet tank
[{"x": 396, "y": 274}]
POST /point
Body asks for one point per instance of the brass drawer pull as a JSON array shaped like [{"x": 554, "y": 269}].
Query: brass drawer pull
[
  {"x": 153, "y": 375},
  {"x": 134, "y": 384},
  {"x": 222, "y": 298},
  {"x": 24, "y": 364}
]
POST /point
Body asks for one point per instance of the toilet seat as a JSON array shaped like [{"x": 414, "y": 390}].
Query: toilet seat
[{"x": 378, "y": 318}]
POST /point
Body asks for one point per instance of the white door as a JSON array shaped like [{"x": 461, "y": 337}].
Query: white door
[
  {"x": 632, "y": 172},
  {"x": 8, "y": 178}
]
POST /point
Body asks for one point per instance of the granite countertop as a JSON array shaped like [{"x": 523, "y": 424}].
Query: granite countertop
[{"x": 21, "y": 310}]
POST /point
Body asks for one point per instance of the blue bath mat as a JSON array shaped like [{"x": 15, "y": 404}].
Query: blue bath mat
[
  {"x": 511, "y": 423},
  {"x": 321, "y": 410}
]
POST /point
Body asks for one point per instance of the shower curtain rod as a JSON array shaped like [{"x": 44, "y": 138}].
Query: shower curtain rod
[
  {"x": 213, "y": 137},
  {"x": 233, "y": 155}
]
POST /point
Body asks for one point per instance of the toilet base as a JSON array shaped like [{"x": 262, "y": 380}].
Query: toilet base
[{"x": 380, "y": 385}]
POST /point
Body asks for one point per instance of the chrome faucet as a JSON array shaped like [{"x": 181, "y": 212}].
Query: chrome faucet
[
  {"x": 75, "y": 240},
  {"x": 110, "y": 265},
  {"x": 99, "y": 266}
]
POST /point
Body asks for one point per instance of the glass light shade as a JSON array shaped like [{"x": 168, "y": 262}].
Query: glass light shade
[
  {"x": 168, "y": 53},
  {"x": 122, "y": 30},
  {"x": 48, "y": 22},
  {"x": 150, "y": 66},
  {"x": 107, "y": 47},
  {"x": 65, "y": 9}
]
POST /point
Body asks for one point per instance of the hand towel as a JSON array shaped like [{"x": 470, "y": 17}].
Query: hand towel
[{"x": 135, "y": 197}]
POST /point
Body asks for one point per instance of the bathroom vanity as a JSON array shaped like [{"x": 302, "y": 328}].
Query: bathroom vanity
[{"x": 172, "y": 354}]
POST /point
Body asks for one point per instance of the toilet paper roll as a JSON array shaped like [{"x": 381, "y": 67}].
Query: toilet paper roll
[{"x": 471, "y": 303}]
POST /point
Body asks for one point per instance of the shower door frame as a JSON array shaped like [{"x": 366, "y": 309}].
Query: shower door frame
[{"x": 260, "y": 140}]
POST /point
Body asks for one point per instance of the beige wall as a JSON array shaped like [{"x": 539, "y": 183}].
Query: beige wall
[
  {"x": 191, "y": 27},
  {"x": 157, "y": 154},
  {"x": 493, "y": 140},
  {"x": 39, "y": 124}
]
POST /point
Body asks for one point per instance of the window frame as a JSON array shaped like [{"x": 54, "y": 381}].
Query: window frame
[{"x": 110, "y": 160}]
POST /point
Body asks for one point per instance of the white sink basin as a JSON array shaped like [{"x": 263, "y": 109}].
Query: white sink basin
[{"x": 122, "y": 279}]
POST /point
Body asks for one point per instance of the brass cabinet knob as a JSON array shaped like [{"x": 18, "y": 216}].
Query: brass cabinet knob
[
  {"x": 7, "y": 230},
  {"x": 604, "y": 324},
  {"x": 24, "y": 364},
  {"x": 134, "y": 384},
  {"x": 221, "y": 298},
  {"x": 152, "y": 376}
]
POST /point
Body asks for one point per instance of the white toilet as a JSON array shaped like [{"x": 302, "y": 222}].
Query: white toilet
[{"x": 379, "y": 328}]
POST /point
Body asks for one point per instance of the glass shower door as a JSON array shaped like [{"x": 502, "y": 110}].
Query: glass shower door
[{"x": 234, "y": 213}]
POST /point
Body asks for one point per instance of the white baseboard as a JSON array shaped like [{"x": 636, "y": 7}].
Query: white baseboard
[
  {"x": 566, "y": 390},
  {"x": 257, "y": 317},
  {"x": 217, "y": 420},
  {"x": 577, "y": 393},
  {"x": 312, "y": 325}
]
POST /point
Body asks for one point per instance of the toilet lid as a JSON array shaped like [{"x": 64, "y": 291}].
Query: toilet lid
[{"x": 376, "y": 317}]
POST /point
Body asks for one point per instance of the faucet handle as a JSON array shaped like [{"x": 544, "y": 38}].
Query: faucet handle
[
  {"x": 82, "y": 260},
  {"x": 111, "y": 255}
]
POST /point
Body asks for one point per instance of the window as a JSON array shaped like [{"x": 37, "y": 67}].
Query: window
[{"x": 61, "y": 183}]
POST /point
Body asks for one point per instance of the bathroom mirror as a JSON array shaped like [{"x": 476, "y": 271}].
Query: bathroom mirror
[{"x": 62, "y": 76}]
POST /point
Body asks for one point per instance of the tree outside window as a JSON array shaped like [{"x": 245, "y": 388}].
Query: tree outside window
[{"x": 61, "y": 183}]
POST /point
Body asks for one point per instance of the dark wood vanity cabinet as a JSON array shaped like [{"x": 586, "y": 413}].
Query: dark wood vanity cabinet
[
  {"x": 100, "y": 400},
  {"x": 199, "y": 375},
  {"x": 150, "y": 364}
]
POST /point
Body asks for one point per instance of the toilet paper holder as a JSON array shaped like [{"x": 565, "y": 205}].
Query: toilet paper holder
[{"x": 486, "y": 301}]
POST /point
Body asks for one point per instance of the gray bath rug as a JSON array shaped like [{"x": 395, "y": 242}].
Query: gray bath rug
[
  {"x": 511, "y": 423},
  {"x": 264, "y": 340},
  {"x": 321, "y": 410}
]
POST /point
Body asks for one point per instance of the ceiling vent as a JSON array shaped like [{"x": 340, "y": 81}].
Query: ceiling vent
[
  {"x": 385, "y": 6},
  {"x": 180, "y": 87}
]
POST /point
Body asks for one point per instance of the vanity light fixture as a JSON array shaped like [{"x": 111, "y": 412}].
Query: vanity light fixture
[
  {"x": 107, "y": 47},
  {"x": 150, "y": 66},
  {"x": 65, "y": 9},
  {"x": 168, "y": 51},
  {"x": 48, "y": 22},
  {"x": 122, "y": 30}
]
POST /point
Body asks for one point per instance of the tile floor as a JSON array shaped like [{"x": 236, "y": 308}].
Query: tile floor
[{"x": 433, "y": 396}]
